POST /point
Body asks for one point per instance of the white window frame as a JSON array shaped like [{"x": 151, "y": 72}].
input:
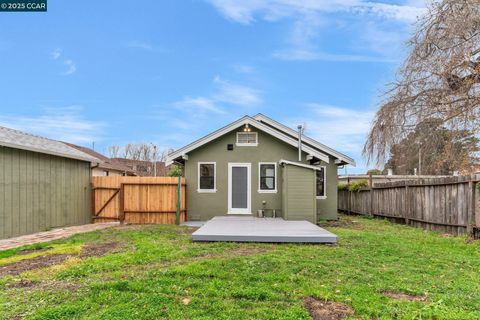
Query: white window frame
[
  {"x": 324, "y": 183},
  {"x": 260, "y": 175},
  {"x": 247, "y": 144},
  {"x": 214, "y": 177}
]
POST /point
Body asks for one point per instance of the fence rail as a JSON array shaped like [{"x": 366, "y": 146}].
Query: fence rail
[
  {"x": 449, "y": 205},
  {"x": 138, "y": 199}
]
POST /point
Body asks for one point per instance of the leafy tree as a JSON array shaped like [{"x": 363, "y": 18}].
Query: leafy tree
[{"x": 435, "y": 150}]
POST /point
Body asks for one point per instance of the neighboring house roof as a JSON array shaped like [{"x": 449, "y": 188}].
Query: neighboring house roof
[
  {"x": 107, "y": 163},
  {"x": 281, "y": 132},
  {"x": 21, "y": 140},
  {"x": 142, "y": 167}
]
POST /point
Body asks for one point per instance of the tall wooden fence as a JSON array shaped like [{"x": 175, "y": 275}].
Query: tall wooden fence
[
  {"x": 138, "y": 199},
  {"x": 449, "y": 205}
]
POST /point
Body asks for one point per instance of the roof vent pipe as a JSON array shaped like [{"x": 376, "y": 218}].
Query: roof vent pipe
[{"x": 300, "y": 132}]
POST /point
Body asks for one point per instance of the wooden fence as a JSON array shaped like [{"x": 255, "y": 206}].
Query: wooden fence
[
  {"x": 449, "y": 205},
  {"x": 138, "y": 199}
]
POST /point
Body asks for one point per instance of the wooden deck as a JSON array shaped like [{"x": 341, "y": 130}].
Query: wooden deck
[{"x": 252, "y": 229}]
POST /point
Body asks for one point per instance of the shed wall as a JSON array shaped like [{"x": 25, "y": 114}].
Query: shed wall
[
  {"x": 39, "y": 192},
  {"x": 299, "y": 201}
]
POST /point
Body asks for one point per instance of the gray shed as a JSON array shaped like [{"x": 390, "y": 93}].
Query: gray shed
[{"x": 43, "y": 184}]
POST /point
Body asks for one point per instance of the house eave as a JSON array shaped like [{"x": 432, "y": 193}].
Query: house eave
[{"x": 236, "y": 124}]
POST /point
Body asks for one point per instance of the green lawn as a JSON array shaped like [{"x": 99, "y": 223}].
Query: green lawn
[{"x": 156, "y": 272}]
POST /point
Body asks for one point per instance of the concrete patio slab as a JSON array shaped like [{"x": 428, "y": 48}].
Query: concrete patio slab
[{"x": 252, "y": 229}]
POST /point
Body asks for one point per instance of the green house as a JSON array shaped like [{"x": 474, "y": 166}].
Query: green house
[{"x": 257, "y": 166}]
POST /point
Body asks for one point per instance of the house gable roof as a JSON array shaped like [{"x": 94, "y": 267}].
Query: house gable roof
[
  {"x": 20, "y": 140},
  {"x": 275, "y": 132},
  {"x": 283, "y": 128}
]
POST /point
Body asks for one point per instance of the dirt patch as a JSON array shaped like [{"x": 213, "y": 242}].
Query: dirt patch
[
  {"x": 246, "y": 251},
  {"x": 98, "y": 249},
  {"x": 34, "y": 263},
  {"x": 22, "y": 284},
  {"x": 327, "y": 310},
  {"x": 27, "y": 251},
  {"x": 404, "y": 296},
  {"x": 187, "y": 230},
  {"x": 341, "y": 223}
]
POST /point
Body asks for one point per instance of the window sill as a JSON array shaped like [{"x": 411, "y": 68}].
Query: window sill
[
  {"x": 267, "y": 191},
  {"x": 321, "y": 197},
  {"x": 246, "y": 144},
  {"x": 206, "y": 190}
]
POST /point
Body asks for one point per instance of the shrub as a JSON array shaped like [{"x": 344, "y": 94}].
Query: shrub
[
  {"x": 175, "y": 171},
  {"x": 356, "y": 186},
  {"x": 374, "y": 171},
  {"x": 342, "y": 186}
]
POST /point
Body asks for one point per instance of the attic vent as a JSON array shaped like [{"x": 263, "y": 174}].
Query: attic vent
[{"x": 247, "y": 139}]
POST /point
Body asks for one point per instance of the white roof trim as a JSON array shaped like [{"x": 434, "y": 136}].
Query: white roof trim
[
  {"x": 298, "y": 164},
  {"x": 242, "y": 121},
  {"x": 313, "y": 142}
]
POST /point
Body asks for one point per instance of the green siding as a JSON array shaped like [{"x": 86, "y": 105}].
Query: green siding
[
  {"x": 39, "y": 192},
  {"x": 299, "y": 193},
  {"x": 203, "y": 206}
]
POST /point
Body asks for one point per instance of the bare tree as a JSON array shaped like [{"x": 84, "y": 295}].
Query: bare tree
[
  {"x": 440, "y": 79},
  {"x": 113, "y": 151}
]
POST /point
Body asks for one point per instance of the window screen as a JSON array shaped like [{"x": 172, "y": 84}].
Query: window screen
[
  {"x": 267, "y": 177},
  {"x": 246, "y": 138},
  {"x": 207, "y": 176},
  {"x": 320, "y": 182}
]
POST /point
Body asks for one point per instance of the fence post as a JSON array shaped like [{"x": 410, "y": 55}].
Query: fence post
[
  {"x": 179, "y": 195},
  {"x": 122, "y": 203},
  {"x": 92, "y": 204},
  {"x": 471, "y": 210},
  {"x": 407, "y": 204}
]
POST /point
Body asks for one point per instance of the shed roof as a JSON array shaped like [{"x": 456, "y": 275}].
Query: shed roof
[{"x": 26, "y": 141}]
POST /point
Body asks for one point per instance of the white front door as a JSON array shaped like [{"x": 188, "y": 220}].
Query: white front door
[{"x": 239, "y": 188}]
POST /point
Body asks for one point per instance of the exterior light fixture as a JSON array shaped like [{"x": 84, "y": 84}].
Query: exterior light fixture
[{"x": 247, "y": 128}]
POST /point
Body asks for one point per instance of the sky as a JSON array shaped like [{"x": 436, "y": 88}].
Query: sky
[{"x": 168, "y": 72}]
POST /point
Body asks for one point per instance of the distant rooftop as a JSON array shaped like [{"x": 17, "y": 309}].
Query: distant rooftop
[
  {"x": 107, "y": 163},
  {"x": 26, "y": 141}
]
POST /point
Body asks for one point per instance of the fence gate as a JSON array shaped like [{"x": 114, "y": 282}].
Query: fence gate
[{"x": 138, "y": 199}]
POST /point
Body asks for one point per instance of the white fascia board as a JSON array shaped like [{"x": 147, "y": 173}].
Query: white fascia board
[
  {"x": 242, "y": 121},
  {"x": 298, "y": 164},
  {"x": 281, "y": 127}
]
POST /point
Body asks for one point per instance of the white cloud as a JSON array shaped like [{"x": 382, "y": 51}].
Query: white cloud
[
  {"x": 71, "y": 67},
  {"x": 273, "y": 10},
  {"x": 306, "y": 55},
  {"x": 66, "y": 124},
  {"x": 343, "y": 129},
  {"x": 202, "y": 104},
  {"x": 235, "y": 94},
  {"x": 56, "y": 53},
  {"x": 225, "y": 93},
  {"x": 243, "y": 68},
  {"x": 143, "y": 45},
  {"x": 310, "y": 17}
]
